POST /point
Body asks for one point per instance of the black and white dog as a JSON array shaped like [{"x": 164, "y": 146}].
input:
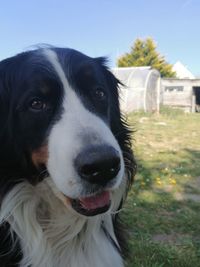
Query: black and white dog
[{"x": 65, "y": 161}]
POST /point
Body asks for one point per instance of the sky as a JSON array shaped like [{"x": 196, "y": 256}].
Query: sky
[{"x": 103, "y": 27}]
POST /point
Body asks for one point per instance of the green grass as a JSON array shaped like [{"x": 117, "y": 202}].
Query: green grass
[{"x": 163, "y": 207}]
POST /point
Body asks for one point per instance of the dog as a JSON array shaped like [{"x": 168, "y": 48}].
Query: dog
[{"x": 65, "y": 161}]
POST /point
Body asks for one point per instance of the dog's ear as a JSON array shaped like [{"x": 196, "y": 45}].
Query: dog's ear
[
  {"x": 119, "y": 125},
  {"x": 1, "y": 94},
  {"x": 3, "y": 100}
]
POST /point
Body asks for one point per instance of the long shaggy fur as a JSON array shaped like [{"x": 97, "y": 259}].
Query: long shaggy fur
[
  {"x": 50, "y": 237},
  {"x": 38, "y": 228}
]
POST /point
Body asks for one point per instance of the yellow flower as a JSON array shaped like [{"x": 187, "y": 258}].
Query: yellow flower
[
  {"x": 158, "y": 182},
  {"x": 172, "y": 181}
]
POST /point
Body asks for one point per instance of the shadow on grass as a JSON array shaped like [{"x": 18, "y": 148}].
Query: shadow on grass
[
  {"x": 152, "y": 209},
  {"x": 176, "y": 222}
]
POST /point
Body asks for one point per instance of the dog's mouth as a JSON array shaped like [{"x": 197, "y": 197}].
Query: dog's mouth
[{"x": 92, "y": 205}]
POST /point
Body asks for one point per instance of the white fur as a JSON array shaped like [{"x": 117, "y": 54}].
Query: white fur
[
  {"x": 51, "y": 233},
  {"x": 68, "y": 135},
  {"x": 52, "y": 236}
]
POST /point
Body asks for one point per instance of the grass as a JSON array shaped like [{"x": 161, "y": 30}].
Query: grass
[{"x": 163, "y": 207}]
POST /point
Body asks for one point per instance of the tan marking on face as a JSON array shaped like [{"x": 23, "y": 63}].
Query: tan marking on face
[
  {"x": 40, "y": 156},
  {"x": 64, "y": 199}
]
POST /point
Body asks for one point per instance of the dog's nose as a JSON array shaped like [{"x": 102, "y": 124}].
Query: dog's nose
[{"x": 98, "y": 164}]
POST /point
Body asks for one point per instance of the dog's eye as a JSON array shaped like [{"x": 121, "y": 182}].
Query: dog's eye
[
  {"x": 37, "y": 104},
  {"x": 100, "y": 93}
]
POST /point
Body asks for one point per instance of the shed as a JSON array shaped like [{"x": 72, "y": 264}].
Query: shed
[
  {"x": 141, "y": 90},
  {"x": 181, "y": 93}
]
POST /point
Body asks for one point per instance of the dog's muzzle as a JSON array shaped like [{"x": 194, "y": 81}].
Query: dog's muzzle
[{"x": 98, "y": 166}]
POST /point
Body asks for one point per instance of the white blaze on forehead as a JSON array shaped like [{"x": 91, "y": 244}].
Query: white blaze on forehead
[
  {"x": 52, "y": 57},
  {"x": 69, "y": 134}
]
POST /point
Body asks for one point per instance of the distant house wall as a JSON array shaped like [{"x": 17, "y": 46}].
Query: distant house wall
[{"x": 179, "y": 92}]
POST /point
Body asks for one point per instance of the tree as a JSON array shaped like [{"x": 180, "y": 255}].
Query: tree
[{"x": 143, "y": 53}]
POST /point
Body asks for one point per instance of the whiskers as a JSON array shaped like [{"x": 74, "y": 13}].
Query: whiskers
[{"x": 117, "y": 211}]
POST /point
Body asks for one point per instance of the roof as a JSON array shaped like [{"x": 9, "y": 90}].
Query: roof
[
  {"x": 134, "y": 77},
  {"x": 141, "y": 90},
  {"x": 181, "y": 71}
]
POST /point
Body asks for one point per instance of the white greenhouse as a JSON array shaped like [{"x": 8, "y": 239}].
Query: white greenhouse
[{"x": 141, "y": 90}]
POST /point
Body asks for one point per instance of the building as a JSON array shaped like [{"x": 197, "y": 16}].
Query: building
[
  {"x": 144, "y": 89},
  {"x": 182, "y": 71},
  {"x": 181, "y": 92}
]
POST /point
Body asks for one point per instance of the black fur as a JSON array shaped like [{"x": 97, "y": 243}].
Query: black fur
[{"x": 29, "y": 75}]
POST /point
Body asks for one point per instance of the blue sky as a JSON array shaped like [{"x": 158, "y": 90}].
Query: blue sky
[{"x": 103, "y": 27}]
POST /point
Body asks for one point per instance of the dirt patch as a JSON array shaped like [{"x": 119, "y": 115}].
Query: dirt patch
[
  {"x": 162, "y": 123},
  {"x": 195, "y": 183},
  {"x": 187, "y": 196},
  {"x": 143, "y": 119},
  {"x": 171, "y": 239}
]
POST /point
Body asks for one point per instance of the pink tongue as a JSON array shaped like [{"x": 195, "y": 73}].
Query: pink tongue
[{"x": 95, "y": 202}]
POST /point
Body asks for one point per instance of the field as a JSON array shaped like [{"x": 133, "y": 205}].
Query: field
[{"x": 163, "y": 208}]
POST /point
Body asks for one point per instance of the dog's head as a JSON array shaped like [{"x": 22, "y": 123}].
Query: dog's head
[{"x": 59, "y": 111}]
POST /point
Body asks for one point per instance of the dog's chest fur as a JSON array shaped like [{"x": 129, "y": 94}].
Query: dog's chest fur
[{"x": 52, "y": 236}]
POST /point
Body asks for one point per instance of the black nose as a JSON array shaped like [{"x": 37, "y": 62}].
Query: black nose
[{"x": 98, "y": 164}]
